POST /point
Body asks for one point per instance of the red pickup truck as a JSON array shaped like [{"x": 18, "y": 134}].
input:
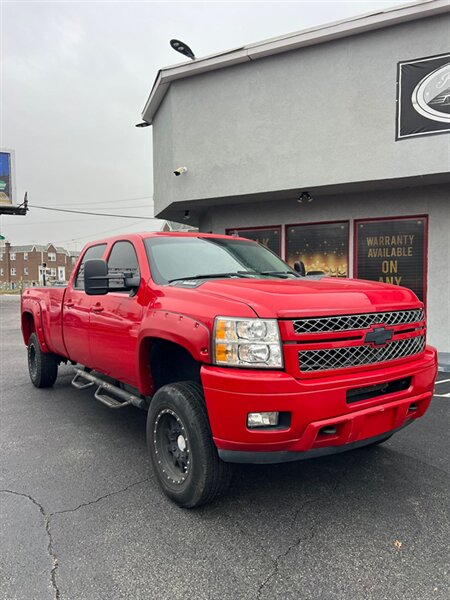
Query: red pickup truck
[{"x": 236, "y": 356}]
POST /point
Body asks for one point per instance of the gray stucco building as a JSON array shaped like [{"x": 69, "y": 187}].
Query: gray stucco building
[{"x": 330, "y": 145}]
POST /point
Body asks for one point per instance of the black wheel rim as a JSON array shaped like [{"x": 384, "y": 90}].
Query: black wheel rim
[
  {"x": 32, "y": 360},
  {"x": 171, "y": 446}
]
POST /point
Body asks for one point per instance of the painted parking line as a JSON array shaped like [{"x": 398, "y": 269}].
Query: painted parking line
[{"x": 443, "y": 392}]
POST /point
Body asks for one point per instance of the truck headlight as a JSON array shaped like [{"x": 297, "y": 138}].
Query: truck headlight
[{"x": 247, "y": 343}]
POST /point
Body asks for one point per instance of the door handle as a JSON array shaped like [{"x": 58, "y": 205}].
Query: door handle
[
  {"x": 69, "y": 304},
  {"x": 97, "y": 308}
]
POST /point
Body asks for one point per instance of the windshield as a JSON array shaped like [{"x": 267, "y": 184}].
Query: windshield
[{"x": 179, "y": 258}]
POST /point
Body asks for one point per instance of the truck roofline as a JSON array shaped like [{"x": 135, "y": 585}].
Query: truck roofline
[
  {"x": 189, "y": 234},
  {"x": 154, "y": 234}
]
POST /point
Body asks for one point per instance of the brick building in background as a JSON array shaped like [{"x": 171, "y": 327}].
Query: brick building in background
[{"x": 22, "y": 266}]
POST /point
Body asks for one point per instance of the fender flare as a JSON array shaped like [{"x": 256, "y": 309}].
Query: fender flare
[
  {"x": 33, "y": 307},
  {"x": 180, "y": 329}
]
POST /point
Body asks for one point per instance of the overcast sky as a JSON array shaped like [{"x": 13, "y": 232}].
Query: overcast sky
[{"x": 74, "y": 81}]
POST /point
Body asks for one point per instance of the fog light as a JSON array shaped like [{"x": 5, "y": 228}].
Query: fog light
[{"x": 262, "y": 419}]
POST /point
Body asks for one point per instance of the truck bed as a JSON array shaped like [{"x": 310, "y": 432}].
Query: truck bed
[{"x": 46, "y": 305}]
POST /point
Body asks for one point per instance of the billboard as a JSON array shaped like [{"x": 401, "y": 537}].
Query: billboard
[{"x": 6, "y": 177}]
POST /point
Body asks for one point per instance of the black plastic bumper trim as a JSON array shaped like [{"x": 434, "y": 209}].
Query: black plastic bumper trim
[{"x": 267, "y": 458}]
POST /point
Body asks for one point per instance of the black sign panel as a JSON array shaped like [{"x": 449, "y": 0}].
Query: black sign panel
[
  {"x": 423, "y": 96},
  {"x": 392, "y": 251},
  {"x": 268, "y": 236},
  {"x": 320, "y": 246}
]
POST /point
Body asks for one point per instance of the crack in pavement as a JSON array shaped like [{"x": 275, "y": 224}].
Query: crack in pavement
[
  {"x": 50, "y": 549},
  {"x": 346, "y": 471},
  {"x": 333, "y": 488},
  {"x": 67, "y": 510},
  {"x": 282, "y": 555},
  {"x": 296, "y": 543},
  {"x": 47, "y": 517}
]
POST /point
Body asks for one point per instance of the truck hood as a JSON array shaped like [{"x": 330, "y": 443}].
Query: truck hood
[{"x": 271, "y": 298}]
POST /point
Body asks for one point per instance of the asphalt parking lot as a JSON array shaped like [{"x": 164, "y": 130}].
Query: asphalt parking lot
[{"x": 83, "y": 519}]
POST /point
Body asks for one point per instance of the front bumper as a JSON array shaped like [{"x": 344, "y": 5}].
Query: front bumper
[
  {"x": 269, "y": 458},
  {"x": 313, "y": 404}
]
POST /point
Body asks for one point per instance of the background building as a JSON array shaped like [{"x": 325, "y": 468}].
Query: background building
[
  {"x": 22, "y": 266},
  {"x": 174, "y": 226},
  {"x": 329, "y": 145}
]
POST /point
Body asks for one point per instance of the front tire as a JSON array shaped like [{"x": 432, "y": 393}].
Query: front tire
[
  {"x": 42, "y": 366},
  {"x": 182, "y": 452}
]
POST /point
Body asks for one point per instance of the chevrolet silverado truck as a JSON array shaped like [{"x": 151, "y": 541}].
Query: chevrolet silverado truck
[{"x": 236, "y": 357}]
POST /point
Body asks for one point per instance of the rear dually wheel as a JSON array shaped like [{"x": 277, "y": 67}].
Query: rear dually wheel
[{"x": 42, "y": 366}]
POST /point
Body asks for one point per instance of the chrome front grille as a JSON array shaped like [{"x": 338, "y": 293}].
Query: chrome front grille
[
  {"x": 349, "y": 322},
  {"x": 352, "y": 356}
]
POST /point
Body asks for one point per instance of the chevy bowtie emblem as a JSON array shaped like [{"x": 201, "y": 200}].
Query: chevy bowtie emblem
[{"x": 379, "y": 336}]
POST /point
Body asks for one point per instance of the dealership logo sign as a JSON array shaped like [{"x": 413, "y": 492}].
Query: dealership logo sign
[
  {"x": 423, "y": 96},
  {"x": 431, "y": 96}
]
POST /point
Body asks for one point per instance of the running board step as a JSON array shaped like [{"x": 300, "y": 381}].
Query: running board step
[
  {"x": 109, "y": 401},
  {"x": 115, "y": 397},
  {"x": 79, "y": 384}
]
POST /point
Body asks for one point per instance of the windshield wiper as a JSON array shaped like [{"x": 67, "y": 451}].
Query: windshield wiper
[
  {"x": 211, "y": 276},
  {"x": 281, "y": 274}
]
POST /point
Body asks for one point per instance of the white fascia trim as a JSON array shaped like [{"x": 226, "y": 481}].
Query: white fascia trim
[{"x": 286, "y": 43}]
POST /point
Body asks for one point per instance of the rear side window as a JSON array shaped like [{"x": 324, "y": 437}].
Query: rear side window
[
  {"x": 92, "y": 252},
  {"x": 123, "y": 259}
]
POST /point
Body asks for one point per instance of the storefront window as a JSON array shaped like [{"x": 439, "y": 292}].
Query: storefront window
[
  {"x": 270, "y": 237},
  {"x": 392, "y": 251},
  {"x": 322, "y": 247}
]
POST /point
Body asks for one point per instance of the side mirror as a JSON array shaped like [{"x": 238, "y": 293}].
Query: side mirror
[
  {"x": 130, "y": 283},
  {"x": 299, "y": 266},
  {"x": 96, "y": 277}
]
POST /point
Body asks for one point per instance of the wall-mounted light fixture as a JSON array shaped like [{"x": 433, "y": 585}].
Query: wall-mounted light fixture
[{"x": 304, "y": 197}]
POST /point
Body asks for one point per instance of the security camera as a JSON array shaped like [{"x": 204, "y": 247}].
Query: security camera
[{"x": 180, "y": 171}]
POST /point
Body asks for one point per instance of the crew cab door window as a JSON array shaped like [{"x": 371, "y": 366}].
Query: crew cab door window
[
  {"x": 76, "y": 312},
  {"x": 122, "y": 259},
  {"x": 115, "y": 320},
  {"x": 92, "y": 252}
]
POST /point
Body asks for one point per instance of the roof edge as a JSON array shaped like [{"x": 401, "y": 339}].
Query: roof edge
[{"x": 286, "y": 43}]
